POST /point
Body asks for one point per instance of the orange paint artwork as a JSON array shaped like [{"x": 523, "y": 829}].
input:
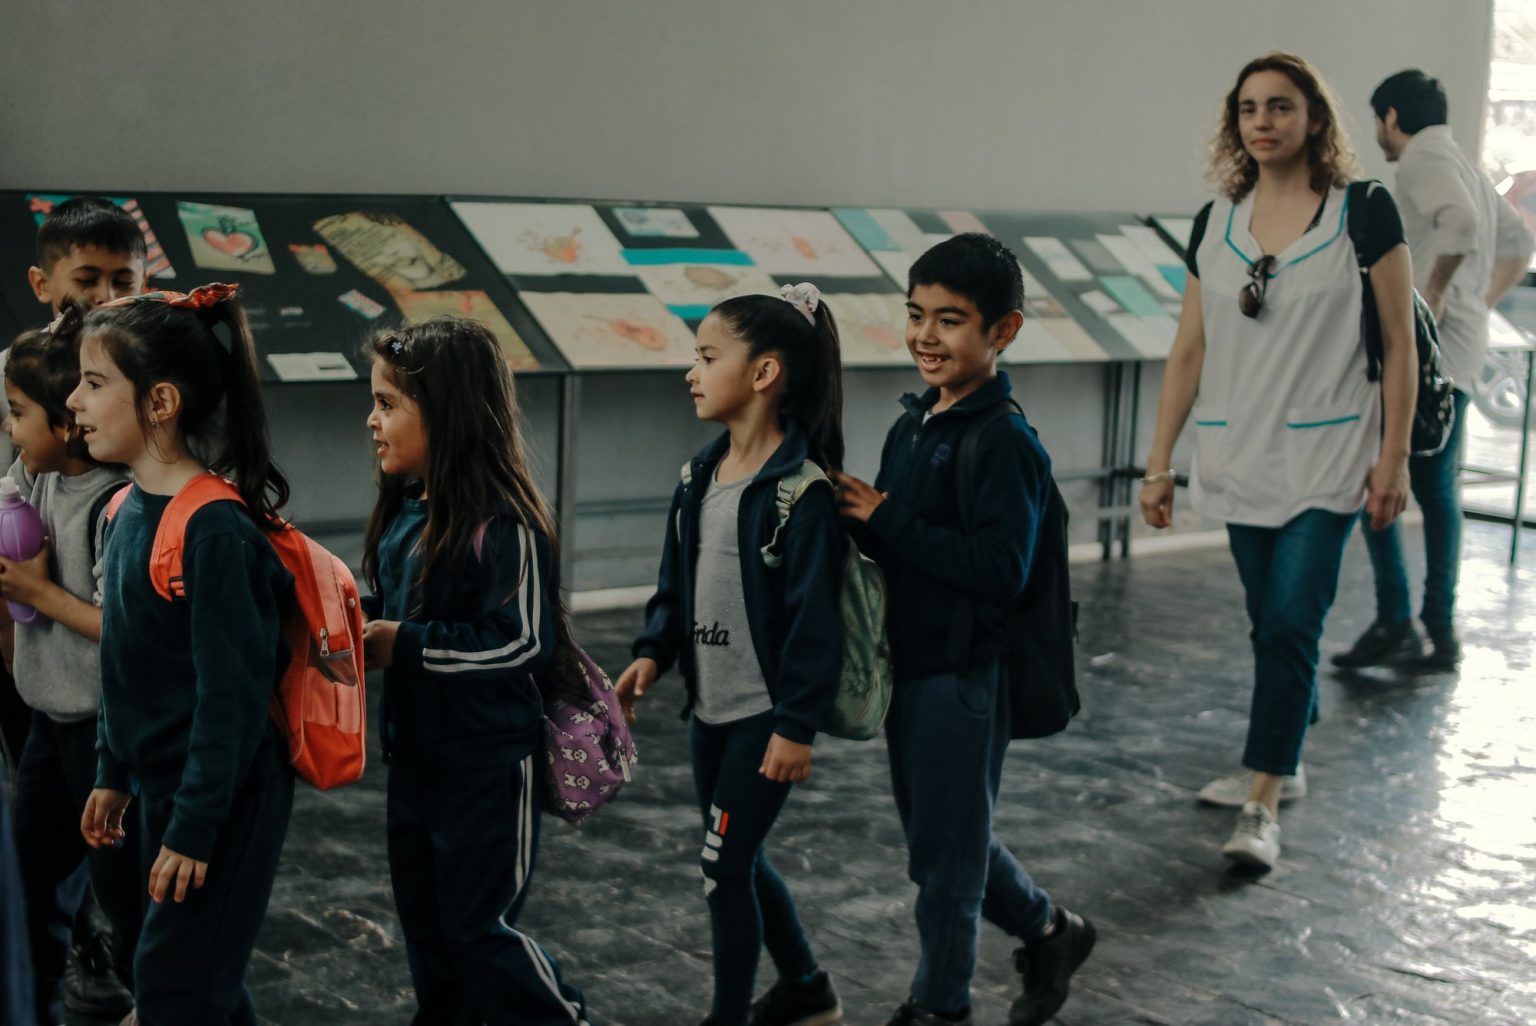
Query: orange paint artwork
[
  {"x": 562, "y": 249},
  {"x": 710, "y": 277},
  {"x": 634, "y": 331},
  {"x": 803, "y": 246}
]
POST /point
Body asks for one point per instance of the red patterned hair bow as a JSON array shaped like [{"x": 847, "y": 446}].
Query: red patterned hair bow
[{"x": 200, "y": 298}]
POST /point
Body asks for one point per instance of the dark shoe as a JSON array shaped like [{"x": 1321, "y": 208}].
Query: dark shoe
[
  {"x": 1383, "y": 644},
  {"x": 90, "y": 985},
  {"x": 1047, "y": 967},
  {"x": 1445, "y": 648},
  {"x": 913, "y": 1014},
  {"x": 812, "y": 1002}
]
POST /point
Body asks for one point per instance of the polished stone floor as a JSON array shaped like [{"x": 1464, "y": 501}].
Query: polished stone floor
[{"x": 1406, "y": 894}]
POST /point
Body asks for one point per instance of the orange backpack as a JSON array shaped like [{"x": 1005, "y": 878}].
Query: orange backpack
[{"x": 319, "y": 703}]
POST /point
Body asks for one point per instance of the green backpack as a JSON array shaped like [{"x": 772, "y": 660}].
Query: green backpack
[{"x": 864, "y": 685}]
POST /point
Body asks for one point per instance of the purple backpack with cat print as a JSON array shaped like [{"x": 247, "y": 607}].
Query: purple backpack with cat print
[
  {"x": 586, "y": 739},
  {"x": 588, "y": 743}
]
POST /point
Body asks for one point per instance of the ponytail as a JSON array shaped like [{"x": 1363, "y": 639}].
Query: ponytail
[
  {"x": 806, "y": 342},
  {"x": 201, "y": 343},
  {"x": 245, "y": 451}
]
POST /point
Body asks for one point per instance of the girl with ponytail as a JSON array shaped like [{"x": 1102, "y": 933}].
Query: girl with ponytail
[
  {"x": 759, "y": 646},
  {"x": 168, "y": 388}
]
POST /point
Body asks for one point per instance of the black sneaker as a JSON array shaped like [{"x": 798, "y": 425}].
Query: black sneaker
[
  {"x": 1047, "y": 967},
  {"x": 913, "y": 1014},
  {"x": 1445, "y": 648},
  {"x": 91, "y": 987},
  {"x": 812, "y": 1002},
  {"x": 1383, "y": 644}
]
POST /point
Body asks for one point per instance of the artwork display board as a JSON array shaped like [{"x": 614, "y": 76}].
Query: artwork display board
[
  {"x": 318, "y": 274},
  {"x": 1111, "y": 273},
  {"x": 625, "y": 285},
  {"x": 1175, "y": 230},
  {"x": 896, "y": 238}
]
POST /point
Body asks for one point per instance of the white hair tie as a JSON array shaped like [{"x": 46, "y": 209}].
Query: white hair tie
[{"x": 804, "y": 297}]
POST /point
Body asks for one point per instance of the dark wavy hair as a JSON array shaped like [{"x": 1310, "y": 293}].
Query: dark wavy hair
[
  {"x": 453, "y": 369},
  {"x": 45, "y": 367},
  {"x": 1233, "y": 171},
  {"x": 813, "y": 366},
  {"x": 210, "y": 357}
]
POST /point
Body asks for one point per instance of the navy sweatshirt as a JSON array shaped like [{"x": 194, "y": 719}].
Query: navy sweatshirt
[
  {"x": 792, "y": 610},
  {"x": 459, "y": 693},
  {"x": 946, "y": 582},
  {"x": 186, "y": 685}
]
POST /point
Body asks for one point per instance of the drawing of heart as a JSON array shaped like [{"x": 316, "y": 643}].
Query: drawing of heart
[{"x": 235, "y": 244}]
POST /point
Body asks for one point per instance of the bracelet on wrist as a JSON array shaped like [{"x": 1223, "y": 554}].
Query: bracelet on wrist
[{"x": 1165, "y": 475}]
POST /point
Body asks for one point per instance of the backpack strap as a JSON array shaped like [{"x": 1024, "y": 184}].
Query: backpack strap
[
  {"x": 967, "y": 460},
  {"x": 687, "y": 475},
  {"x": 101, "y": 511},
  {"x": 791, "y": 486},
  {"x": 165, "y": 571},
  {"x": 1356, "y": 200},
  {"x": 115, "y": 500}
]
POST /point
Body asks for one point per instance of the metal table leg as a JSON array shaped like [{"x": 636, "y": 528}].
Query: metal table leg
[{"x": 1525, "y": 447}]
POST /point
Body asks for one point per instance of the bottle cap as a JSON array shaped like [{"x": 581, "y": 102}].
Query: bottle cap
[{"x": 8, "y": 488}]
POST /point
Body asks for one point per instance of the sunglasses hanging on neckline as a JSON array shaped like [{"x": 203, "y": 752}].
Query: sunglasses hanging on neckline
[{"x": 1251, "y": 299}]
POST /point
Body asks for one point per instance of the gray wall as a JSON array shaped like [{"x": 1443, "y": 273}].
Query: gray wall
[
  {"x": 1093, "y": 104},
  {"x": 1068, "y": 104}
]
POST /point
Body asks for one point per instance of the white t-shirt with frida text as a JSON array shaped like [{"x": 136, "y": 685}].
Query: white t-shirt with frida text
[{"x": 730, "y": 681}]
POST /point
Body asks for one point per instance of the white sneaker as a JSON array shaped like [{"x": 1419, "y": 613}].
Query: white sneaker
[
  {"x": 1232, "y": 790},
  {"x": 1256, "y": 839}
]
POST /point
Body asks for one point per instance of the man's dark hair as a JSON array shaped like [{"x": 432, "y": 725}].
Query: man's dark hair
[
  {"x": 87, "y": 221},
  {"x": 1418, "y": 99},
  {"x": 976, "y": 266}
]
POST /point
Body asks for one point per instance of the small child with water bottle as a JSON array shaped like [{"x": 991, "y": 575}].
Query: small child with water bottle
[{"x": 50, "y": 577}]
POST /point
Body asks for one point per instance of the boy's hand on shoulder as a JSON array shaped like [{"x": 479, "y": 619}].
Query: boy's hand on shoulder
[
  {"x": 633, "y": 682},
  {"x": 24, "y": 580},
  {"x": 786, "y": 761},
  {"x": 102, "y": 821},
  {"x": 856, "y": 499},
  {"x": 172, "y": 868},
  {"x": 379, "y": 643}
]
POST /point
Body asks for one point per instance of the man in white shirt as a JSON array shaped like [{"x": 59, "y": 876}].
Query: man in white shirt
[{"x": 1469, "y": 247}]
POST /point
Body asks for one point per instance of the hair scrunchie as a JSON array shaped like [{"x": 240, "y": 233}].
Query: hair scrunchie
[{"x": 804, "y": 297}]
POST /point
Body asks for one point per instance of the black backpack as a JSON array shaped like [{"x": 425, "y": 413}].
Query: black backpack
[
  {"x": 1434, "y": 412},
  {"x": 1041, "y": 621}
]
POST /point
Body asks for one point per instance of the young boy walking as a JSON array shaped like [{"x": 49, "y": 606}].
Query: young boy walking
[{"x": 949, "y": 575}]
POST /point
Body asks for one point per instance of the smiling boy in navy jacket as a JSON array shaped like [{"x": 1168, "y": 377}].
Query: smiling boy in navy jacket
[{"x": 948, "y": 581}]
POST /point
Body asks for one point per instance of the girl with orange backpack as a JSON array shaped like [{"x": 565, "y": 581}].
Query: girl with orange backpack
[
  {"x": 169, "y": 389},
  {"x": 462, "y": 557}
]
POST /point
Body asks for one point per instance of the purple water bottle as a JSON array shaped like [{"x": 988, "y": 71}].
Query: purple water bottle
[{"x": 21, "y": 536}]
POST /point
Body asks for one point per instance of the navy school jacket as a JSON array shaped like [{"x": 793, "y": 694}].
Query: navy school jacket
[
  {"x": 931, "y": 562},
  {"x": 792, "y": 611},
  {"x": 459, "y": 693}
]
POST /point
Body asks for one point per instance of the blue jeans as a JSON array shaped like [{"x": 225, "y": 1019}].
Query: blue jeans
[
  {"x": 1433, "y": 479},
  {"x": 946, "y": 736},
  {"x": 1290, "y": 575}
]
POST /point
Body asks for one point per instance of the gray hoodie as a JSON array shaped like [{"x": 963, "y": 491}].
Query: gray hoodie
[{"x": 58, "y": 672}]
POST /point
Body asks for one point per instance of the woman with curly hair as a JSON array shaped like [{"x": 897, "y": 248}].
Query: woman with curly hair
[{"x": 1291, "y": 436}]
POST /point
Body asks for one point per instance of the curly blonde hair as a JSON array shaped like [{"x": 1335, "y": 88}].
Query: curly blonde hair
[{"x": 1233, "y": 171}]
